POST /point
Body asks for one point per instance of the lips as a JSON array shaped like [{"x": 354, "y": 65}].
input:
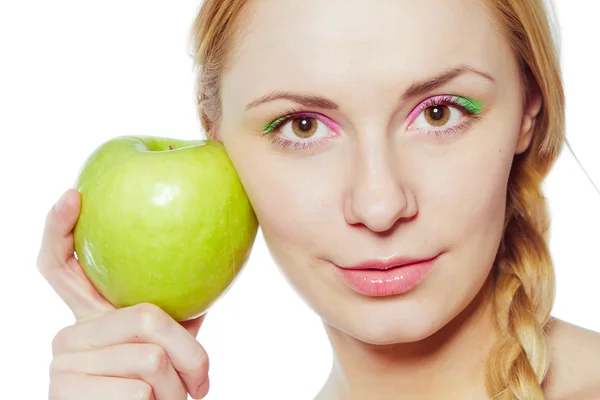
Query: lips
[{"x": 386, "y": 277}]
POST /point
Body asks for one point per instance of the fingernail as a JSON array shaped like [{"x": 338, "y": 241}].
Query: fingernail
[{"x": 62, "y": 202}]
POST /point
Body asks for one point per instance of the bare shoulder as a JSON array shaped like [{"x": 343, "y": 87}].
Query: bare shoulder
[{"x": 575, "y": 370}]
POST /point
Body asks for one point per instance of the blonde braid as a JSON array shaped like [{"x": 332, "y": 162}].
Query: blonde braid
[{"x": 524, "y": 295}]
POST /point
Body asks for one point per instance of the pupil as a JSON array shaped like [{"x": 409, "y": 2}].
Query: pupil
[
  {"x": 437, "y": 113},
  {"x": 305, "y": 124}
]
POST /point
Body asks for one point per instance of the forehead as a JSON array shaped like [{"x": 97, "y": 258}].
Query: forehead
[{"x": 337, "y": 41}]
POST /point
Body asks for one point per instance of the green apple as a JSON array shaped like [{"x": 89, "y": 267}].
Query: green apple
[{"x": 162, "y": 221}]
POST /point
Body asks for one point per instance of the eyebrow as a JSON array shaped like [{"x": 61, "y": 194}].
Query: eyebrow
[{"x": 417, "y": 88}]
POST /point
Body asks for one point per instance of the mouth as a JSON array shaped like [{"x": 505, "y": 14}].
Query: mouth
[{"x": 377, "y": 278}]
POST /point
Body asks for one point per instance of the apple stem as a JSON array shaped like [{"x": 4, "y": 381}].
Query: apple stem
[{"x": 171, "y": 147}]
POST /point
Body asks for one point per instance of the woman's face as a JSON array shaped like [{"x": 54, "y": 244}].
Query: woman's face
[{"x": 381, "y": 166}]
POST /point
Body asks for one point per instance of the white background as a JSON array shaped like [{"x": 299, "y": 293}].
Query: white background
[{"x": 76, "y": 73}]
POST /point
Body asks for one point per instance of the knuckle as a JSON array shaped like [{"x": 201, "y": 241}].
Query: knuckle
[
  {"x": 41, "y": 263},
  {"x": 49, "y": 222},
  {"x": 151, "y": 318},
  {"x": 49, "y": 218},
  {"x": 60, "y": 340},
  {"x": 156, "y": 361}
]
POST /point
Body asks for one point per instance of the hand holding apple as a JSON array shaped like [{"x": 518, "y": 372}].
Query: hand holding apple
[{"x": 162, "y": 221}]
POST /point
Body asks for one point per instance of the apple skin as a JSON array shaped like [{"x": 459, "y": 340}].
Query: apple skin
[{"x": 162, "y": 221}]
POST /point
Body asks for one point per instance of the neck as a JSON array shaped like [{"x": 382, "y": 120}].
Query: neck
[{"x": 448, "y": 364}]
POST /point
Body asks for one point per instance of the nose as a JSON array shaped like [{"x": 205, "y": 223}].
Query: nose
[{"x": 376, "y": 197}]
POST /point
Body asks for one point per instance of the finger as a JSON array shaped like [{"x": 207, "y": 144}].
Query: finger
[
  {"x": 142, "y": 323},
  {"x": 60, "y": 221},
  {"x": 203, "y": 389},
  {"x": 193, "y": 325},
  {"x": 73, "y": 386},
  {"x": 148, "y": 362},
  {"x": 58, "y": 265}
]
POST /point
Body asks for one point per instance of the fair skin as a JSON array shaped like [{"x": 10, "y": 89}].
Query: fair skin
[{"x": 378, "y": 184}]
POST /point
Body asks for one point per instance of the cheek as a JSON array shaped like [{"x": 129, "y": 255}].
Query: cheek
[
  {"x": 288, "y": 199},
  {"x": 467, "y": 197}
]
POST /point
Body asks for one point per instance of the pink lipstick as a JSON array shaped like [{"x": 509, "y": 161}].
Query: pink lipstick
[{"x": 386, "y": 277}]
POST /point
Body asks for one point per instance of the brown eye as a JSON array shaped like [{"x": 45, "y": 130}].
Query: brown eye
[
  {"x": 304, "y": 127},
  {"x": 437, "y": 115}
]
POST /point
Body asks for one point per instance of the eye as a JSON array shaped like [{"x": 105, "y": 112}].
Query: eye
[
  {"x": 448, "y": 113},
  {"x": 300, "y": 126},
  {"x": 300, "y": 130}
]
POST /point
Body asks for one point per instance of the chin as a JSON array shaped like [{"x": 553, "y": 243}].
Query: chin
[{"x": 387, "y": 323}]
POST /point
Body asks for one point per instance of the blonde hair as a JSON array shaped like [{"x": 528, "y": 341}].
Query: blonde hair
[{"x": 524, "y": 282}]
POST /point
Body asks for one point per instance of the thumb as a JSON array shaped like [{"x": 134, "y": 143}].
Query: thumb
[
  {"x": 61, "y": 219},
  {"x": 58, "y": 265}
]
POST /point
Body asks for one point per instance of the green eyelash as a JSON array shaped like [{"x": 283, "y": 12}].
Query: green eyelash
[
  {"x": 271, "y": 126},
  {"x": 473, "y": 106}
]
